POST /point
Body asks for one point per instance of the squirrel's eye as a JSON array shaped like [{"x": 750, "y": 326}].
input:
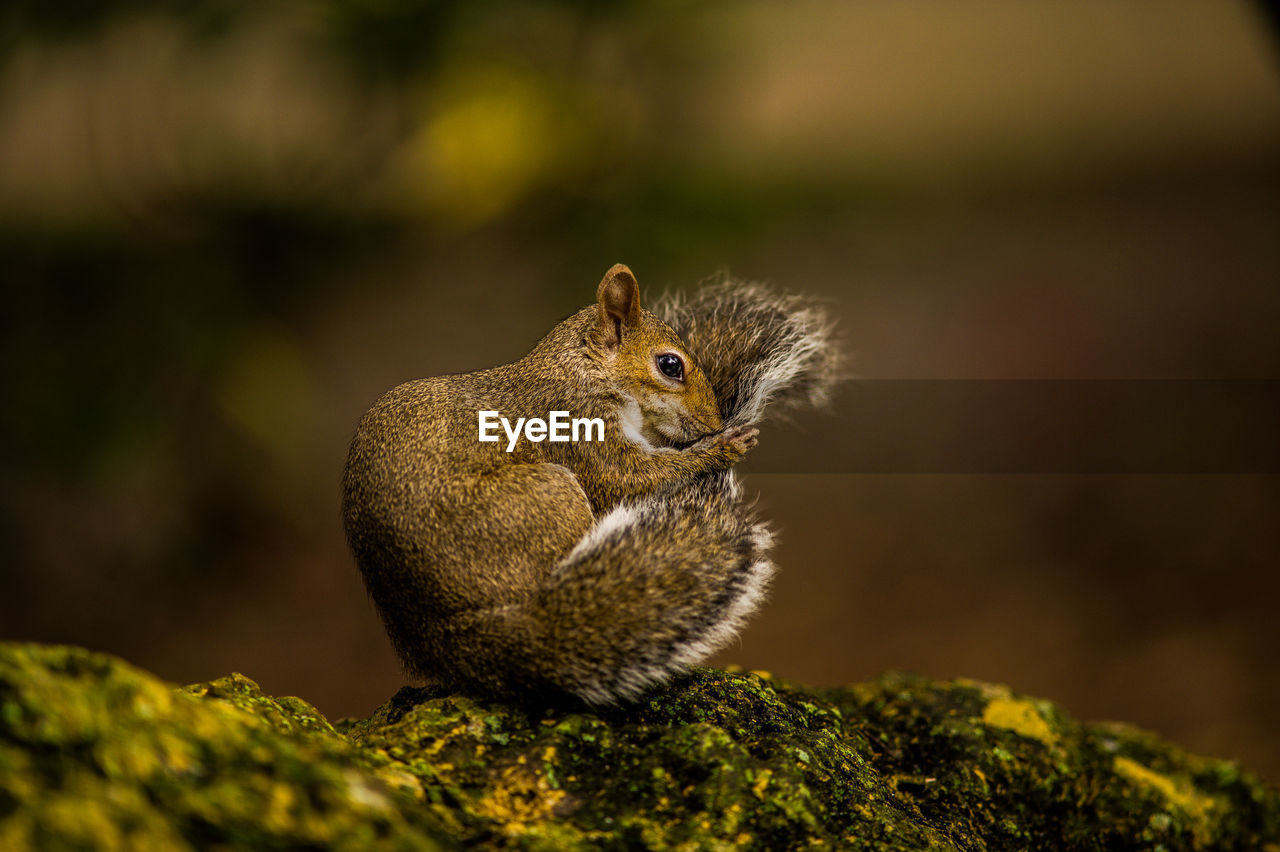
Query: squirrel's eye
[{"x": 671, "y": 366}]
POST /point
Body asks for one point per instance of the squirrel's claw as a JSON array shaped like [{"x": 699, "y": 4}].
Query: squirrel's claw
[
  {"x": 737, "y": 439},
  {"x": 742, "y": 437}
]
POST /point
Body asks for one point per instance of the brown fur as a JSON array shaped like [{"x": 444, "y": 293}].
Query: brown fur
[{"x": 593, "y": 567}]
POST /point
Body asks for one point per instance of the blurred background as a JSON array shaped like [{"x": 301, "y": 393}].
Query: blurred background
[{"x": 226, "y": 228}]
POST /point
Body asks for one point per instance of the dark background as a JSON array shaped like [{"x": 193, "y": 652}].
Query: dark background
[{"x": 224, "y": 231}]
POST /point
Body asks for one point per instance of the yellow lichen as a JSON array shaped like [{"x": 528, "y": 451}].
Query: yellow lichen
[
  {"x": 1199, "y": 807},
  {"x": 401, "y": 780},
  {"x": 441, "y": 742},
  {"x": 1019, "y": 716},
  {"x": 279, "y": 807},
  {"x": 520, "y": 796},
  {"x": 761, "y": 783}
]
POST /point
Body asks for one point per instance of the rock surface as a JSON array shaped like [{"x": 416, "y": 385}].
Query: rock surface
[{"x": 96, "y": 754}]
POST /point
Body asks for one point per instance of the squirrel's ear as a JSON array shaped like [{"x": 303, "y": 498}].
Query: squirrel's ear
[{"x": 618, "y": 305}]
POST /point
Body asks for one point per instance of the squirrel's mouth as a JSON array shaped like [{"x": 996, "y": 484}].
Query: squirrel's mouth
[
  {"x": 662, "y": 427},
  {"x": 690, "y": 437},
  {"x": 688, "y": 432}
]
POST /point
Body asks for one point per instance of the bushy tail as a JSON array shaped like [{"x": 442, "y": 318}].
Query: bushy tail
[
  {"x": 658, "y": 584},
  {"x": 758, "y": 347}
]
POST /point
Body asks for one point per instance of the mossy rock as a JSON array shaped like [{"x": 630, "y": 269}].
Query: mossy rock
[{"x": 96, "y": 754}]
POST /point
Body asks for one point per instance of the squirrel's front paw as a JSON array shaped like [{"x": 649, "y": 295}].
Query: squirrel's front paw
[
  {"x": 730, "y": 445},
  {"x": 741, "y": 438}
]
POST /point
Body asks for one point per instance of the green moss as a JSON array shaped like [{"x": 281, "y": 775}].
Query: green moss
[
  {"x": 100, "y": 755},
  {"x": 96, "y": 754}
]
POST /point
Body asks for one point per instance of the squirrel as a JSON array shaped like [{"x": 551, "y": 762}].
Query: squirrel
[{"x": 595, "y": 568}]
